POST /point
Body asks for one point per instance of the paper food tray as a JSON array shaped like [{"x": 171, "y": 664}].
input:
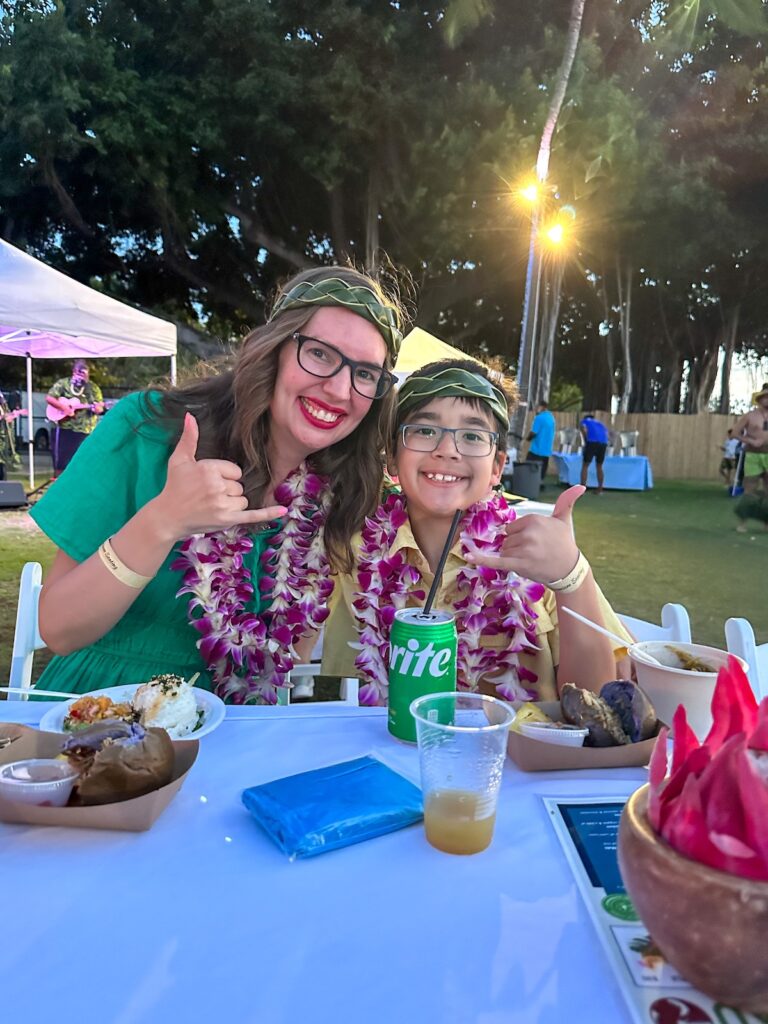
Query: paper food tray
[
  {"x": 135, "y": 815},
  {"x": 537, "y": 756}
]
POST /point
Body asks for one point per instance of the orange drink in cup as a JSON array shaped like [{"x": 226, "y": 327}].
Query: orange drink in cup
[{"x": 462, "y": 741}]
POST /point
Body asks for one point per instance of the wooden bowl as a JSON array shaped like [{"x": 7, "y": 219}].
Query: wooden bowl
[{"x": 711, "y": 927}]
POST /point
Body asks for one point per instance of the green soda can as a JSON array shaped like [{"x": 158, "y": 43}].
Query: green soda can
[{"x": 422, "y": 659}]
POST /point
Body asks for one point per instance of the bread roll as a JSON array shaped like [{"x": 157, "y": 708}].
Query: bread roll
[{"x": 118, "y": 761}]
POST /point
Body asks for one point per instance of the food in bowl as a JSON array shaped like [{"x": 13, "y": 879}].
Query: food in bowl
[
  {"x": 42, "y": 781},
  {"x": 668, "y": 684},
  {"x": 117, "y": 760},
  {"x": 165, "y": 702},
  {"x": 690, "y": 662},
  {"x": 168, "y": 702},
  {"x": 88, "y": 710}
]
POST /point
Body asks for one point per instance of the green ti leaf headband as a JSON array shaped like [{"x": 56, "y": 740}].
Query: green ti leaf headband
[
  {"x": 333, "y": 291},
  {"x": 452, "y": 383}
]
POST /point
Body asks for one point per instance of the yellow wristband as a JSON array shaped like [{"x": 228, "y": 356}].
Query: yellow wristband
[
  {"x": 574, "y": 579},
  {"x": 120, "y": 570}
]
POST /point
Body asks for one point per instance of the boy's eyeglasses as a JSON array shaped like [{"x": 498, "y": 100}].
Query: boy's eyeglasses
[
  {"x": 324, "y": 360},
  {"x": 424, "y": 437}
]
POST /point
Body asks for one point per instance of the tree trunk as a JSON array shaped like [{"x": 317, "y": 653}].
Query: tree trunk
[
  {"x": 625, "y": 333},
  {"x": 561, "y": 84},
  {"x": 339, "y": 233},
  {"x": 372, "y": 232},
  {"x": 729, "y": 344},
  {"x": 525, "y": 360},
  {"x": 549, "y": 321}
]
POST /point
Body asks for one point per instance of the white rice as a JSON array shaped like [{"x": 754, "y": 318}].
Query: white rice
[{"x": 167, "y": 702}]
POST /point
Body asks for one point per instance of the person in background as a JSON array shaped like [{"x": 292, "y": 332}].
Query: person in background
[
  {"x": 730, "y": 449},
  {"x": 8, "y": 456},
  {"x": 542, "y": 438},
  {"x": 73, "y": 404},
  {"x": 595, "y": 436},
  {"x": 752, "y": 431}
]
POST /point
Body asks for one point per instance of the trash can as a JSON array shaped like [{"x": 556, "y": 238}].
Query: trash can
[{"x": 526, "y": 479}]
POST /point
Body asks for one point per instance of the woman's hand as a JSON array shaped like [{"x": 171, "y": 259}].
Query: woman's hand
[
  {"x": 540, "y": 548},
  {"x": 200, "y": 496}
]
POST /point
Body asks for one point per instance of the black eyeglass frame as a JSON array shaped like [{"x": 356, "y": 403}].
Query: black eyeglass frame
[
  {"x": 492, "y": 434},
  {"x": 385, "y": 383}
]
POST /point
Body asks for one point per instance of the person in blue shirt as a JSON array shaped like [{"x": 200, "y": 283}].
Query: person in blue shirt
[
  {"x": 542, "y": 437},
  {"x": 595, "y": 436}
]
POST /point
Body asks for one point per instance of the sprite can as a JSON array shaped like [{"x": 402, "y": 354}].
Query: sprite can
[{"x": 422, "y": 659}]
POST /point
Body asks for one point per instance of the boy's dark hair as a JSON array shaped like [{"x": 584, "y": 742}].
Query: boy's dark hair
[
  {"x": 505, "y": 385},
  {"x": 543, "y": 405}
]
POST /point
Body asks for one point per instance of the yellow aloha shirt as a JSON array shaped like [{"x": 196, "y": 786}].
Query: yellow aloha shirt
[{"x": 339, "y": 657}]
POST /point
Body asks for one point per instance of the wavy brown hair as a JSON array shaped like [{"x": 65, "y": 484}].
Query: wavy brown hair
[{"x": 232, "y": 411}]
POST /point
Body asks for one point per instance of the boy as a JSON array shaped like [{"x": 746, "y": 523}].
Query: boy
[
  {"x": 512, "y": 639},
  {"x": 730, "y": 457}
]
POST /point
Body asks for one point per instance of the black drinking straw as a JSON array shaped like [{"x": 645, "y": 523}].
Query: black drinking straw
[{"x": 439, "y": 570}]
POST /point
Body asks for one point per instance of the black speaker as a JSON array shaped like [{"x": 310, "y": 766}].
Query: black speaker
[{"x": 12, "y": 495}]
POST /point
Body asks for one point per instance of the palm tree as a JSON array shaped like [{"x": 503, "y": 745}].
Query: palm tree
[{"x": 461, "y": 16}]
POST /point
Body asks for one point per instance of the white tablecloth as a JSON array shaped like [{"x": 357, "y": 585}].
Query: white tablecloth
[
  {"x": 203, "y": 919},
  {"x": 622, "y": 473}
]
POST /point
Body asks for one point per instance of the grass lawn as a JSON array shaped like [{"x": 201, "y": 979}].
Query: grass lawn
[{"x": 674, "y": 543}]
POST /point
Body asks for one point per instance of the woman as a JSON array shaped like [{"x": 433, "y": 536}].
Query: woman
[
  {"x": 506, "y": 580},
  {"x": 293, "y": 433}
]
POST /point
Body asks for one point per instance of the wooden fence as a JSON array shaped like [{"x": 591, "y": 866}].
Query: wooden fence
[{"x": 678, "y": 447}]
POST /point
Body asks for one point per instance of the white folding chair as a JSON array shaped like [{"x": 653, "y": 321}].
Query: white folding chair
[
  {"x": 303, "y": 679},
  {"x": 675, "y": 625},
  {"x": 26, "y": 639},
  {"x": 740, "y": 640}
]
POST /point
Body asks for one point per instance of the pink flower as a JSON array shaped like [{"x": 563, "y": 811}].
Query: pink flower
[
  {"x": 251, "y": 656},
  {"x": 487, "y": 602}
]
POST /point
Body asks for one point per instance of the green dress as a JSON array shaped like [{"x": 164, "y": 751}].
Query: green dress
[{"x": 117, "y": 470}]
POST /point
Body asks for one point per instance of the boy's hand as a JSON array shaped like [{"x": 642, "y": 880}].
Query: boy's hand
[{"x": 540, "y": 548}]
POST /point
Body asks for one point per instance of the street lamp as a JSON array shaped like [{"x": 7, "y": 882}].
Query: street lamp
[{"x": 550, "y": 238}]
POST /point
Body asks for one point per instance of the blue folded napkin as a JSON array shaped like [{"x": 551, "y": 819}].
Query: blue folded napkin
[{"x": 335, "y": 806}]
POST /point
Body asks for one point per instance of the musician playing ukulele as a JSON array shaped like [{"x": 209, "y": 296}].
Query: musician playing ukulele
[
  {"x": 73, "y": 404},
  {"x": 8, "y": 456}
]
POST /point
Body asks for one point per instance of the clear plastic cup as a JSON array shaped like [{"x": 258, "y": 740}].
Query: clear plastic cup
[{"x": 462, "y": 741}]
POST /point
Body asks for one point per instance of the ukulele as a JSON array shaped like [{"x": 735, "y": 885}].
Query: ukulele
[
  {"x": 9, "y": 417},
  {"x": 56, "y": 415}
]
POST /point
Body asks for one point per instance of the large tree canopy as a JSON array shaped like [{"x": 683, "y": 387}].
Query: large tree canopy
[{"x": 185, "y": 156}]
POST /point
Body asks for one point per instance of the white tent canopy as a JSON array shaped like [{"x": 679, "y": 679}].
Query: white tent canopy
[
  {"x": 419, "y": 348},
  {"x": 46, "y": 315}
]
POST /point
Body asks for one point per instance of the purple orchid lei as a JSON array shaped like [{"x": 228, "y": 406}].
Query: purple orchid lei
[
  {"x": 250, "y": 656},
  {"x": 487, "y": 602}
]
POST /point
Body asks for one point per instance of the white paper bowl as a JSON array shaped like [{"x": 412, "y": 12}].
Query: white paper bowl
[
  {"x": 667, "y": 685},
  {"x": 43, "y": 781},
  {"x": 562, "y": 736}
]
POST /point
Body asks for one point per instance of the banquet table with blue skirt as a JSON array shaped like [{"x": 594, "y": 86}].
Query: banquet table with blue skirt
[
  {"x": 622, "y": 472},
  {"x": 202, "y": 918}
]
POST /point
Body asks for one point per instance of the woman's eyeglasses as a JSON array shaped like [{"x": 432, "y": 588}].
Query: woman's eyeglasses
[
  {"x": 424, "y": 437},
  {"x": 324, "y": 360}
]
